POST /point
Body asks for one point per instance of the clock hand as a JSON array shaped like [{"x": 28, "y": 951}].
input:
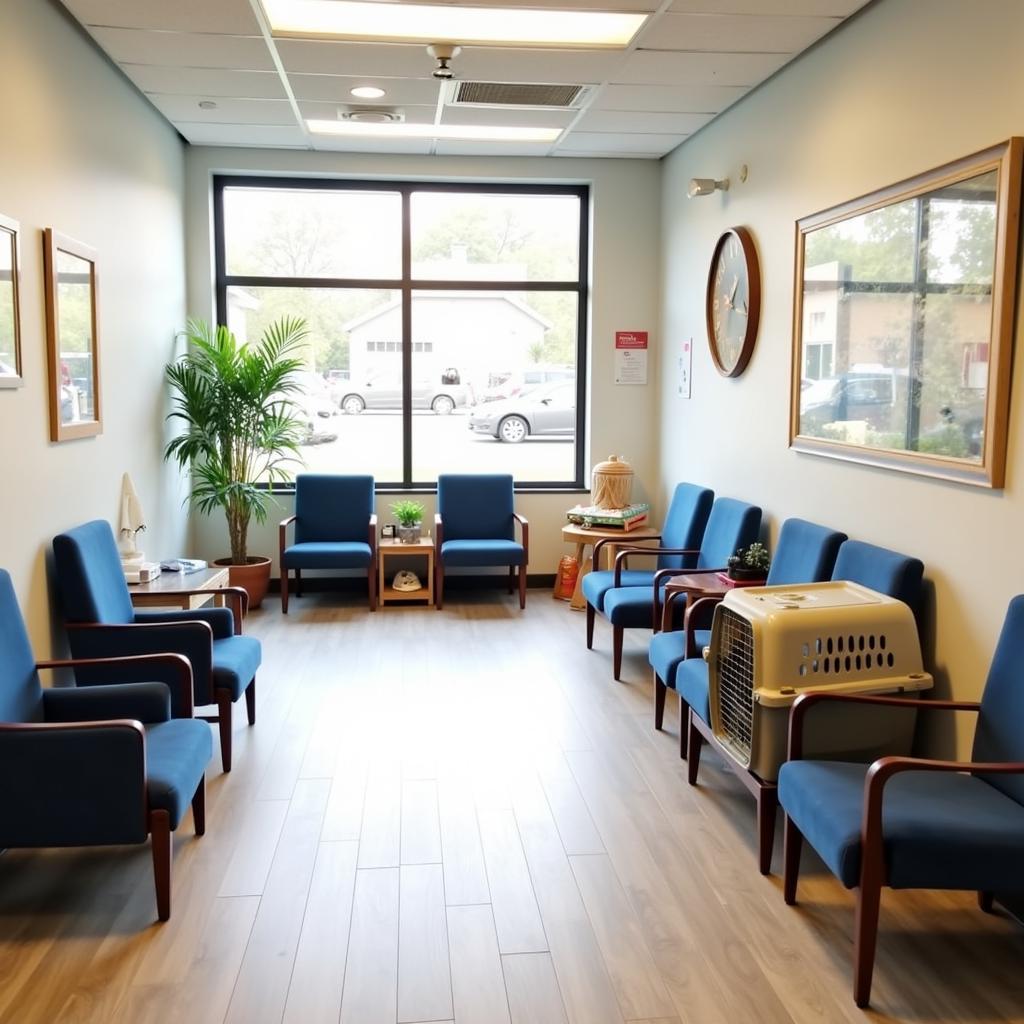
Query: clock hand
[
  {"x": 732, "y": 293},
  {"x": 742, "y": 312}
]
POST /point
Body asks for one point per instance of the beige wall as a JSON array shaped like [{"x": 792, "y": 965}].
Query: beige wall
[
  {"x": 902, "y": 88},
  {"x": 625, "y": 229},
  {"x": 85, "y": 154}
]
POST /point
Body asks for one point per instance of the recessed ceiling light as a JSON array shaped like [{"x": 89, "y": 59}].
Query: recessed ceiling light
[
  {"x": 423, "y": 23},
  {"x": 461, "y": 132},
  {"x": 367, "y": 92}
]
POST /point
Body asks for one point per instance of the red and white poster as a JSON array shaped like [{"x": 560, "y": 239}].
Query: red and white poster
[
  {"x": 685, "y": 369},
  {"x": 630, "y": 357}
]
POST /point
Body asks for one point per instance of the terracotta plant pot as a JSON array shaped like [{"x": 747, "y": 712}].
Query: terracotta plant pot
[{"x": 253, "y": 577}]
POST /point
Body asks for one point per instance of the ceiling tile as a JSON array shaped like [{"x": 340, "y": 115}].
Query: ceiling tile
[
  {"x": 639, "y": 121},
  {"x": 241, "y": 135},
  {"x": 329, "y": 111},
  {"x": 333, "y": 144},
  {"x": 206, "y": 82},
  {"x": 336, "y": 89},
  {"x": 683, "y": 99},
  {"x": 599, "y": 142},
  {"x": 516, "y": 116},
  {"x": 233, "y": 17},
  {"x": 330, "y": 57},
  {"x": 651, "y": 67},
  {"x": 496, "y": 64},
  {"x": 447, "y": 148},
  {"x": 822, "y": 8},
  {"x": 185, "y": 49},
  {"x": 734, "y": 34},
  {"x": 228, "y": 111}
]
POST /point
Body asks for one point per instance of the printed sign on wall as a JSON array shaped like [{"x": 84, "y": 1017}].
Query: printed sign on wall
[
  {"x": 685, "y": 369},
  {"x": 630, "y": 357}
]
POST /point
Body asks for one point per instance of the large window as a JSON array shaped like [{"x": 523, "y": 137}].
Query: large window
[{"x": 447, "y": 322}]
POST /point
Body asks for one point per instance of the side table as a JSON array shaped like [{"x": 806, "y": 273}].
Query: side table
[
  {"x": 393, "y": 550},
  {"x": 176, "y": 589},
  {"x": 582, "y": 536}
]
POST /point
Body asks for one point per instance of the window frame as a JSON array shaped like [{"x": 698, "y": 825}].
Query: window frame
[{"x": 406, "y": 285}]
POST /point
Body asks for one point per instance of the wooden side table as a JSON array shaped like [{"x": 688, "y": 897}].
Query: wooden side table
[
  {"x": 171, "y": 589},
  {"x": 393, "y": 550},
  {"x": 582, "y": 536}
]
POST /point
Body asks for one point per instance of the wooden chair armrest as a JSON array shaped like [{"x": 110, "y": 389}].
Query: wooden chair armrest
[
  {"x": 438, "y": 533},
  {"x": 49, "y": 727},
  {"x": 181, "y": 665},
  {"x": 371, "y": 531},
  {"x": 524, "y": 526},
  {"x": 282, "y": 540},
  {"x": 805, "y": 701},
  {"x": 615, "y": 541},
  {"x": 691, "y": 621}
]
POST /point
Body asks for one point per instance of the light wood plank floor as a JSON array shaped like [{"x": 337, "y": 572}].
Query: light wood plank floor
[{"x": 460, "y": 816}]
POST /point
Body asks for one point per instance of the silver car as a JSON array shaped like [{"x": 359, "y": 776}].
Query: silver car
[
  {"x": 548, "y": 409},
  {"x": 386, "y": 393}
]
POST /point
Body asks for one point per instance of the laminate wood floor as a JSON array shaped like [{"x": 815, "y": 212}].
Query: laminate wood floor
[{"x": 460, "y": 816}]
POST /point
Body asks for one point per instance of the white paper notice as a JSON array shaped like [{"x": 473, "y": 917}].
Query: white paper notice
[
  {"x": 685, "y": 369},
  {"x": 630, "y": 357}
]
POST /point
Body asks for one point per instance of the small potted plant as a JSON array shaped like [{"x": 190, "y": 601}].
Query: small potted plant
[
  {"x": 410, "y": 520},
  {"x": 750, "y": 563}
]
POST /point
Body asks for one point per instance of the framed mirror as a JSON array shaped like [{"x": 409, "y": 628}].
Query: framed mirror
[
  {"x": 71, "y": 337},
  {"x": 10, "y": 314},
  {"x": 903, "y": 324}
]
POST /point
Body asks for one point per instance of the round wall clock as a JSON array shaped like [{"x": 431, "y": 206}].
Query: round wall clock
[{"x": 733, "y": 304}]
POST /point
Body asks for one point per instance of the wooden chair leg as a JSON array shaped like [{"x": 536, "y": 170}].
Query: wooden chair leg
[
  {"x": 591, "y": 616},
  {"x": 199, "y": 808},
  {"x": 869, "y": 896},
  {"x": 511, "y": 578},
  {"x": 694, "y": 741},
  {"x": 767, "y": 802},
  {"x": 985, "y": 901},
  {"x": 160, "y": 841},
  {"x": 224, "y": 727},
  {"x": 792, "y": 843},
  {"x": 438, "y": 585},
  {"x": 284, "y": 590},
  {"x": 617, "y": 634},
  {"x": 250, "y": 701},
  {"x": 522, "y": 587},
  {"x": 298, "y": 583},
  {"x": 660, "y": 690},
  {"x": 371, "y": 583}
]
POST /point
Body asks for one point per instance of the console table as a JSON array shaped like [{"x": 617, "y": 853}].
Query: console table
[{"x": 171, "y": 589}]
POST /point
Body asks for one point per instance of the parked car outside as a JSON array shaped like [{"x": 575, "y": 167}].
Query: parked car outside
[
  {"x": 313, "y": 394},
  {"x": 512, "y": 383},
  {"x": 547, "y": 409},
  {"x": 386, "y": 393}
]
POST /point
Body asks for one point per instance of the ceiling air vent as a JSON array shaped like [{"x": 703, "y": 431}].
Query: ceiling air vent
[
  {"x": 371, "y": 115},
  {"x": 516, "y": 94}
]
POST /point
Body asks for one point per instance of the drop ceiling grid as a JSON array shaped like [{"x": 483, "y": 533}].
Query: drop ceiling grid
[{"x": 691, "y": 61}]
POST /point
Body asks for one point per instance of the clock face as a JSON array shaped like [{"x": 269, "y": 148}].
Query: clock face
[{"x": 733, "y": 301}]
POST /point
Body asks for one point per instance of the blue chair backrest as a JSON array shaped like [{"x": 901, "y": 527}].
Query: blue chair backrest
[
  {"x": 476, "y": 506},
  {"x": 732, "y": 524},
  {"x": 1000, "y": 731},
  {"x": 332, "y": 507},
  {"x": 883, "y": 570},
  {"x": 685, "y": 524},
  {"x": 806, "y": 553},
  {"x": 89, "y": 575},
  {"x": 21, "y": 695}
]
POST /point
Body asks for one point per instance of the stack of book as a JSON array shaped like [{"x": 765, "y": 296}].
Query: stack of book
[{"x": 628, "y": 518}]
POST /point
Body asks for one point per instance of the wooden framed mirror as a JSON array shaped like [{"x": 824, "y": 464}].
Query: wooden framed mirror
[
  {"x": 72, "y": 337},
  {"x": 10, "y": 313},
  {"x": 903, "y": 324}
]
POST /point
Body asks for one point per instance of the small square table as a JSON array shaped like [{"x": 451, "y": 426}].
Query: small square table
[{"x": 393, "y": 550}]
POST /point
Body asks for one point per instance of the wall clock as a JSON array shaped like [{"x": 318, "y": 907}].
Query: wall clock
[{"x": 733, "y": 304}]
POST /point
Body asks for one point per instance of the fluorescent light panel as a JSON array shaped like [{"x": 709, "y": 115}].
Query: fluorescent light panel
[
  {"x": 461, "y": 132},
  {"x": 423, "y": 23}
]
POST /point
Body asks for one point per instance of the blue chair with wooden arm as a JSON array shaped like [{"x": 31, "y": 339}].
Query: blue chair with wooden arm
[
  {"x": 335, "y": 528},
  {"x": 910, "y": 823},
  {"x": 731, "y": 524},
  {"x": 883, "y": 570},
  {"x": 102, "y": 623},
  {"x": 102, "y": 766},
  {"x": 475, "y": 526}
]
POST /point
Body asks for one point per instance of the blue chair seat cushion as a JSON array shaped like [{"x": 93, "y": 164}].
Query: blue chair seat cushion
[
  {"x": 692, "y": 685},
  {"x": 667, "y": 652},
  {"x": 632, "y": 607},
  {"x": 482, "y": 552},
  {"x": 941, "y": 830},
  {"x": 236, "y": 660},
  {"x": 597, "y": 584},
  {"x": 323, "y": 554},
  {"x": 176, "y": 756}
]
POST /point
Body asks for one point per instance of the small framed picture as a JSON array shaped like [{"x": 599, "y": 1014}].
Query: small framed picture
[{"x": 387, "y": 530}]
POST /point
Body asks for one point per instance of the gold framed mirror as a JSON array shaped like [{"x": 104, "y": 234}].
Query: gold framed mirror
[
  {"x": 10, "y": 313},
  {"x": 903, "y": 322},
  {"x": 72, "y": 338}
]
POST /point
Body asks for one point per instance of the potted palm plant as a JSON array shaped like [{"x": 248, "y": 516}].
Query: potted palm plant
[
  {"x": 240, "y": 429},
  {"x": 410, "y": 520}
]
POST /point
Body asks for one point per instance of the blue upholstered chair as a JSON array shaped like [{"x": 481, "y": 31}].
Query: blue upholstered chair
[
  {"x": 916, "y": 824},
  {"x": 102, "y": 623},
  {"x": 805, "y": 553},
  {"x": 677, "y": 548},
  {"x": 883, "y": 570},
  {"x": 335, "y": 528},
  {"x": 475, "y": 526},
  {"x": 732, "y": 524},
  {"x": 100, "y": 766}
]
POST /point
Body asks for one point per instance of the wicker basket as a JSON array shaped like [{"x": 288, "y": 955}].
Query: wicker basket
[{"x": 611, "y": 484}]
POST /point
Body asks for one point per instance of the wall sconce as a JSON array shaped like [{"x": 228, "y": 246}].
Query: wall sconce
[{"x": 706, "y": 187}]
